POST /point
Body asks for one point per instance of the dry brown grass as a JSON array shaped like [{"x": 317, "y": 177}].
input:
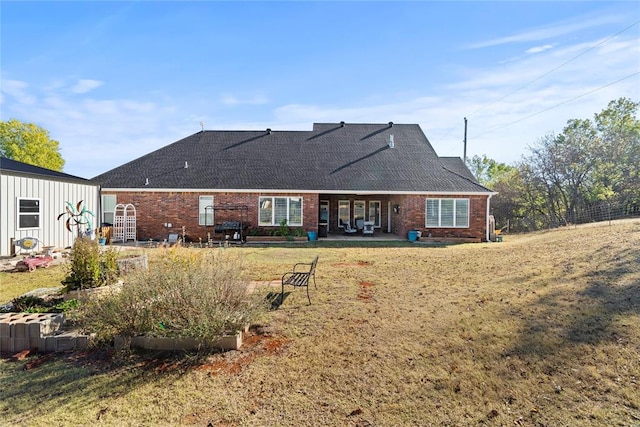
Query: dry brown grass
[{"x": 540, "y": 330}]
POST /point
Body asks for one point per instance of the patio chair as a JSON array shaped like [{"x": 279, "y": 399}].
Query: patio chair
[
  {"x": 347, "y": 228},
  {"x": 368, "y": 228}
]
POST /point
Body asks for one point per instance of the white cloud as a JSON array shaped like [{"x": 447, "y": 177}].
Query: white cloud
[
  {"x": 96, "y": 135},
  {"x": 85, "y": 85},
  {"x": 557, "y": 29},
  {"x": 18, "y": 90},
  {"x": 232, "y": 100},
  {"x": 538, "y": 49}
]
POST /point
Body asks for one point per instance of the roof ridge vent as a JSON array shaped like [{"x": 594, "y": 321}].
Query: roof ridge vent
[
  {"x": 390, "y": 124},
  {"x": 391, "y": 141},
  {"x": 341, "y": 124},
  {"x": 268, "y": 131}
]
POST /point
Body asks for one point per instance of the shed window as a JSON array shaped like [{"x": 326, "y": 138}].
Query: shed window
[
  {"x": 450, "y": 213},
  {"x": 109, "y": 202},
  {"x": 28, "y": 213}
]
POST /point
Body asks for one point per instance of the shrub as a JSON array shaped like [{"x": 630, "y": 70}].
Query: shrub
[
  {"x": 27, "y": 303},
  {"x": 283, "y": 230},
  {"x": 299, "y": 232},
  {"x": 34, "y": 304},
  {"x": 89, "y": 267},
  {"x": 197, "y": 294}
]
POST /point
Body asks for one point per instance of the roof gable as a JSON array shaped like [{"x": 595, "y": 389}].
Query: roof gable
[{"x": 331, "y": 157}]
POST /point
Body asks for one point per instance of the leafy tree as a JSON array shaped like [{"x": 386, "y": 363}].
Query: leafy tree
[
  {"x": 566, "y": 178},
  {"x": 618, "y": 175},
  {"x": 29, "y": 143},
  {"x": 486, "y": 170},
  {"x": 503, "y": 179}
]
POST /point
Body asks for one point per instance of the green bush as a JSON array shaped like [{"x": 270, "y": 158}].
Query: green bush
[
  {"x": 187, "y": 293},
  {"x": 283, "y": 230},
  {"x": 27, "y": 303},
  {"x": 34, "y": 304},
  {"x": 89, "y": 267},
  {"x": 299, "y": 232}
]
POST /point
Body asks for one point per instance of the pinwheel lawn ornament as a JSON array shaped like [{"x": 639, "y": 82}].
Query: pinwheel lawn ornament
[{"x": 78, "y": 216}]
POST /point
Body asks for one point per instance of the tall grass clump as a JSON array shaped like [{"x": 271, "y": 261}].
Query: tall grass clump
[
  {"x": 90, "y": 267},
  {"x": 185, "y": 293}
]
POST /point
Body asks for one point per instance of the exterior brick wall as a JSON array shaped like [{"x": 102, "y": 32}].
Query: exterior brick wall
[
  {"x": 413, "y": 211},
  {"x": 180, "y": 209}
]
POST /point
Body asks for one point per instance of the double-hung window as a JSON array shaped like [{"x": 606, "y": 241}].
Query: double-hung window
[
  {"x": 28, "y": 213},
  {"x": 205, "y": 210},
  {"x": 273, "y": 210},
  {"x": 108, "y": 208},
  {"x": 451, "y": 213}
]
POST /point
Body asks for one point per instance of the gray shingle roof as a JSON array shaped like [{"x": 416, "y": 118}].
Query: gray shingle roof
[
  {"x": 331, "y": 157},
  {"x": 15, "y": 166}
]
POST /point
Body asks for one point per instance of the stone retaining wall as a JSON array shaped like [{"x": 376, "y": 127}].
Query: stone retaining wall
[{"x": 42, "y": 331}]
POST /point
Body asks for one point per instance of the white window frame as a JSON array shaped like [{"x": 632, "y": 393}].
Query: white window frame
[
  {"x": 359, "y": 210},
  {"x": 112, "y": 211},
  {"x": 203, "y": 202},
  {"x": 456, "y": 222},
  {"x": 341, "y": 206},
  {"x": 271, "y": 222},
  {"x": 20, "y": 214},
  {"x": 377, "y": 219}
]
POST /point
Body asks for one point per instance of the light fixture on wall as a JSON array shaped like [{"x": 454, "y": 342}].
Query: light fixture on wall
[{"x": 396, "y": 209}]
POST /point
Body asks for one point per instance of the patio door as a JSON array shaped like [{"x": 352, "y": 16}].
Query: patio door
[{"x": 323, "y": 218}]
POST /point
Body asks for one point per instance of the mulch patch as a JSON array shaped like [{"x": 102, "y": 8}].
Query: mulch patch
[{"x": 234, "y": 362}]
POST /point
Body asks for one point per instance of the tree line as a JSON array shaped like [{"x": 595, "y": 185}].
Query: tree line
[{"x": 588, "y": 172}]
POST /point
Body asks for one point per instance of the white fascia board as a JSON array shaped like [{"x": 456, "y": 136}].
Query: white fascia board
[{"x": 293, "y": 191}]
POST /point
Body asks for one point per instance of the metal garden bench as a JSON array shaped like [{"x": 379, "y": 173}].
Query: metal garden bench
[{"x": 300, "y": 276}]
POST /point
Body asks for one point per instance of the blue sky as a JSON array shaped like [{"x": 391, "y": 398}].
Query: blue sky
[{"x": 112, "y": 81}]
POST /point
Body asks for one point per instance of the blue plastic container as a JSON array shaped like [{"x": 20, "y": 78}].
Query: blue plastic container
[
  {"x": 413, "y": 235},
  {"x": 312, "y": 235}
]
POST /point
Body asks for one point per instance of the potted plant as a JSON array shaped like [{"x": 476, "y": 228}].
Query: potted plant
[{"x": 102, "y": 239}]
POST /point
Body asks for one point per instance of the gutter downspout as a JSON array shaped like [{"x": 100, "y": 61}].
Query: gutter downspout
[{"x": 487, "y": 217}]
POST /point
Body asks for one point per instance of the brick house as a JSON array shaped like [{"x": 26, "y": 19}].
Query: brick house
[{"x": 322, "y": 180}]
